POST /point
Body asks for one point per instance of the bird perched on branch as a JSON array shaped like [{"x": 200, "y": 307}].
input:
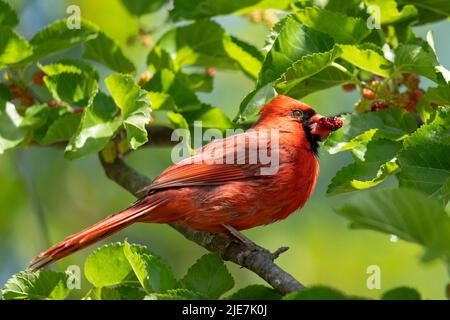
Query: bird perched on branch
[{"x": 240, "y": 182}]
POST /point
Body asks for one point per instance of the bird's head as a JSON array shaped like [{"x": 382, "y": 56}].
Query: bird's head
[{"x": 285, "y": 108}]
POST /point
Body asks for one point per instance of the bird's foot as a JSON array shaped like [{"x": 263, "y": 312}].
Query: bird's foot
[{"x": 253, "y": 247}]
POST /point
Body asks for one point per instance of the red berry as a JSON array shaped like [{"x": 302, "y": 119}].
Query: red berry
[
  {"x": 54, "y": 103},
  {"x": 38, "y": 78},
  {"x": 411, "y": 106},
  {"x": 368, "y": 94},
  {"x": 78, "y": 110},
  {"x": 411, "y": 80},
  {"x": 211, "y": 71},
  {"x": 377, "y": 105},
  {"x": 349, "y": 87},
  {"x": 415, "y": 95}
]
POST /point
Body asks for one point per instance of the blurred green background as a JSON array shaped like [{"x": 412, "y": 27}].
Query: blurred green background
[{"x": 44, "y": 198}]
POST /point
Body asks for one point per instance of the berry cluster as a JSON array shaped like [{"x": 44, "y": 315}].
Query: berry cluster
[{"x": 379, "y": 93}]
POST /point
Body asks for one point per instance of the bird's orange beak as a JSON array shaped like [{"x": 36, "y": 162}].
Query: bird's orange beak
[{"x": 323, "y": 126}]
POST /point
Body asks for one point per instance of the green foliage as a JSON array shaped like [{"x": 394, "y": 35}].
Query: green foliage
[
  {"x": 209, "y": 277},
  {"x": 401, "y": 212},
  {"x": 13, "y": 48},
  {"x": 43, "y": 284},
  {"x": 123, "y": 271},
  {"x": 399, "y": 131},
  {"x": 401, "y": 293}
]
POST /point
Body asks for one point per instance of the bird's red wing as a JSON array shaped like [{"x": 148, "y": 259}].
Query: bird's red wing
[{"x": 211, "y": 165}]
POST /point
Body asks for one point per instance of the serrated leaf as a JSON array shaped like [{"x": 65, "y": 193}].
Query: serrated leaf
[
  {"x": 208, "y": 276},
  {"x": 401, "y": 293},
  {"x": 255, "y": 292},
  {"x": 139, "y": 8},
  {"x": 205, "y": 43},
  {"x": 360, "y": 128},
  {"x": 416, "y": 59},
  {"x": 108, "y": 266},
  {"x": 408, "y": 214},
  {"x": 210, "y": 117},
  {"x": 154, "y": 274},
  {"x": 425, "y": 160},
  {"x": 159, "y": 59},
  {"x": 199, "y": 9},
  {"x": 366, "y": 58},
  {"x": 379, "y": 163},
  {"x": 134, "y": 105},
  {"x": 98, "y": 124},
  {"x": 8, "y": 17},
  {"x": 13, "y": 48},
  {"x": 175, "y": 294},
  {"x": 11, "y": 131},
  {"x": 174, "y": 85},
  {"x": 107, "y": 51},
  {"x": 290, "y": 41},
  {"x": 342, "y": 28},
  {"x": 120, "y": 292},
  {"x": 390, "y": 14},
  {"x": 39, "y": 285},
  {"x": 62, "y": 129},
  {"x": 302, "y": 69},
  {"x": 58, "y": 37},
  {"x": 324, "y": 79}
]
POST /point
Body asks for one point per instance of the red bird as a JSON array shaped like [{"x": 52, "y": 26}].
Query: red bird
[{"x": 218, "y": 196}]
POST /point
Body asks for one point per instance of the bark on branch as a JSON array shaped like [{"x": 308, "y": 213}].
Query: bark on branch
[{"x": 251, "y": 257}]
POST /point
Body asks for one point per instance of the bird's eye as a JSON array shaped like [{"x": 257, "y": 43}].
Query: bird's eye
[{"x": 297, "y": 113}]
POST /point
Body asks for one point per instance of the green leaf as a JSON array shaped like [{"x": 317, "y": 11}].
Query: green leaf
[
  {"x": 134, "y": 105},
  {"x": 11, "y": 131},
  {"x": 255, "y": 292},
  {"x": 62, "y": 129},
  {"x": 401, "y": 293},
  {"x": 205, "y": 43},
  {"x": 72, "y": 81},
  {"x": 159, "y": 59},
  {"x": 366, "y": 58},
  {"x": 416, "y": 59},
  {"x": 294, "y": 41},
  {"x": 120, "y": 292},
  {"x": 209, "y": 116},
  {"x": 389, "y": 13},
  {"x": 154, "y": 274},
  {"x": 360, "y": 128},
  {"x": 316, "y": 293},
  {"x": 408, "y": 214},
  {"x": 108, "y": 266},
  {"x": 13, "y": 48},
  {"x": 289, "y": 42},
  {"x": 107, "y": 51},
  {"x": 324, "y": 79},
  {"x": 175, "y": 294},
  {"x": 342, "y": 28},
  {"x": 58, "y": 37},
  {"x": 98, "y": 124},
  {"x": 199, "y": 9},
  {"x": 425, "y": 160},
  {"x": 208, "y": 276},
  {"x": 174, "y": 85},
  {"x": 307, "y": 66},
  {"x": 438, "y": 95},
  {"x": 139, "y": 8},
  {"x": 8, "y": 17},
  {"x": 39, "y": 285},
  {"x": 379, "y": 163},
  {"x": 429, "y": 10}
]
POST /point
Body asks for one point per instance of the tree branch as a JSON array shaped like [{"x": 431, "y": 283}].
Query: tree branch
[{"x": 251, "y": 257}]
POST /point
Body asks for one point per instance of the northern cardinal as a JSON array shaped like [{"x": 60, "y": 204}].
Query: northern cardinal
[{"x": 222, "y": 196}]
